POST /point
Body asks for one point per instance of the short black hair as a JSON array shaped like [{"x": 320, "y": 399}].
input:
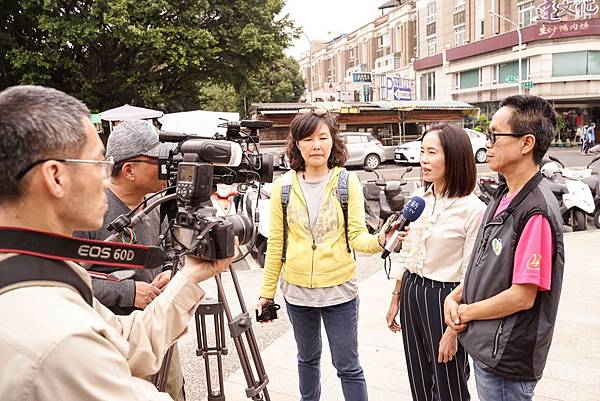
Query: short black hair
[
  {"x": 36, "y": 123},
  {"x": 533, "y": 115},
  {"x": 303, "y": 125},
  {"x": 460, "y": 171}
]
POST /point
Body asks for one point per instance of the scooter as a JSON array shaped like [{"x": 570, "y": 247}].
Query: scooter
[
  {"x": 593, "y": 182},
  {"x": 574, "y": 196},
  {"x": 486, "y": 188},
  {"x": 382, "y": 199},
  {"x": 258, "y": 208}
]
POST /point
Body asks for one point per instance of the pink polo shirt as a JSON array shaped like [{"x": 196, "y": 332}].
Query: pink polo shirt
[{"x": 533, "y": 256}]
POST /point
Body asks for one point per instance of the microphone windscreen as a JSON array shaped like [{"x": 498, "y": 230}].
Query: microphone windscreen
[{"x": 413, "y": 208}]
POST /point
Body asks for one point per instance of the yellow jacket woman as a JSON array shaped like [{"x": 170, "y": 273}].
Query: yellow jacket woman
[
  {"x": 318, "y": 279},
  {"x": 321, "y": 260}
]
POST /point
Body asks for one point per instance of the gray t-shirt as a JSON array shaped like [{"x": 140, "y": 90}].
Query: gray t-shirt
[{"x": 314, "y": 192}]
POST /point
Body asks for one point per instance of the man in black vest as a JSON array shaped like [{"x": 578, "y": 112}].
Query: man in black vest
[{"x": 506, "y": 307}]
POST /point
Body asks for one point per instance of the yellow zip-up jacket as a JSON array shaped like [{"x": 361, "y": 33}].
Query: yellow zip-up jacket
[{"x": 323, "y": 261}]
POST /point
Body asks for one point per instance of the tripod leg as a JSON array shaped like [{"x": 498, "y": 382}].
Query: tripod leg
[
  {"x": 237, "y": 326},
  {"x": 212, "y": 307}
]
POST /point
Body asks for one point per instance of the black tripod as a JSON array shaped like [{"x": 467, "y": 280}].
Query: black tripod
[{"x": 240, "y": 328}]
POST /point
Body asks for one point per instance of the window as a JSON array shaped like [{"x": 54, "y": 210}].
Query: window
[
  {"x": 430, "y": 29},
  {"x": 363, "y": 53},
  {"x": 459, "y": 5},
  {"x": 431, "y": 12},
  {"x": 470, "y": 79},
  {"x": 502, "y": 72},
  {"x": 383, "y": 40},
  {"x": 431, "y": 46},
  {"x": 459, "y": 35},
  {"x": 575, "y": 63},
  {"x": 350, "y": 139},
  {"x": 526, "y": 14},
  {"x": 428, "y": 86}
]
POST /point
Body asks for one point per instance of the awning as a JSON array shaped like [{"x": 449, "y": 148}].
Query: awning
[{"x": 409, "y": 105}]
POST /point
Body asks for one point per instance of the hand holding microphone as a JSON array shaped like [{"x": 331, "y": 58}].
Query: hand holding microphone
[{"x": 411, "y": 212}]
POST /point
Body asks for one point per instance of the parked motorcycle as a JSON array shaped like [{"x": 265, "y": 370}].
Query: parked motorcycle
[
  {"x": 574, "y": 196},
  {"x": 486, "y": 188},
  {"x": 593, "y": 182},
  {"x": 383, "y": 198},
  {"x": 257, "y": 206}
]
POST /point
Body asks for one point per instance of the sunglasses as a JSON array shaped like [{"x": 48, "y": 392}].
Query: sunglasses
[
  {"x": 492, "y": 136},
  {"x": 315, "y": 111}
]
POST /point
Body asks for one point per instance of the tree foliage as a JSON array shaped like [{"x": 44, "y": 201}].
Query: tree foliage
[
  {"x": 279, "y": 83},
  {"x": 153, "y": 53}
]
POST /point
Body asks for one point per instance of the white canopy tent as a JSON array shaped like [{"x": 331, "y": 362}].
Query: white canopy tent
[
  {"x": 128, "y": 112},
  {"x": 197, "y": 122}
]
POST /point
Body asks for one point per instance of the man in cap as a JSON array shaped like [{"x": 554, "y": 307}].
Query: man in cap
[{"x": 135, "y": 148}]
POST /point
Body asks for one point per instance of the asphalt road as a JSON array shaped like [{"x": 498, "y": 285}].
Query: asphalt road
[{"x": 571, "y": 157}]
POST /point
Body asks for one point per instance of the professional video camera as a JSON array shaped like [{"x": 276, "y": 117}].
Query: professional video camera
[
  {"x": 195, "y": 168},
  {"x": 192, "y": 171}
]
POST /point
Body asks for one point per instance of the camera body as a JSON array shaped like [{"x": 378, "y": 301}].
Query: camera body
[{"x": 194, "y": 169}]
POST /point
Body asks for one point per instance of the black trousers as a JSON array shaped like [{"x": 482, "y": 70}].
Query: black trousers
[{"x": 422, "y": 322}]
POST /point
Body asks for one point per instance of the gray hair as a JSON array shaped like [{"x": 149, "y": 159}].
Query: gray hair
[{"x": 36, "y": 123}]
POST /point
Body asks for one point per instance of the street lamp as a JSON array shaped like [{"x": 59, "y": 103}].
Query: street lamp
[
  {"x": 520, "y": 42},
  {"x": 310, "y": 79}
]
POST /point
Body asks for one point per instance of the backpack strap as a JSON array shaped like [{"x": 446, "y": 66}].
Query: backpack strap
[
  {"x": 22, "y": 268},
  {"x": 286, "y": 189},
  {"x": 343, "y": 195}
]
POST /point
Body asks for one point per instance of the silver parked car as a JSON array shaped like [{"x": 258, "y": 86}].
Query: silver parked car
[{"x": 363, "y": 150}]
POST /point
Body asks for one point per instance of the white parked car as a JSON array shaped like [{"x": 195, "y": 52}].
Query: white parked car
[
  {"x": 410, "y": 152},
  {"x": 363, "y": 150}
]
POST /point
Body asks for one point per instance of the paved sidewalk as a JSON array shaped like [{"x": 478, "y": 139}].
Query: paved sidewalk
[{"x": 572, "y": 372}]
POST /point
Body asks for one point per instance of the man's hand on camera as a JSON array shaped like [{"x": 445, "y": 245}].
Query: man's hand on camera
[
  {"x": 144, "y": 294},
  {"x": 162, "y": 279},
  {"x": 262, "y": 303},
  {"x": 200, "y": 270}
]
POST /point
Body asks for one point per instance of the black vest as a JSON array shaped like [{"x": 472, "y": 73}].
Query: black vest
[{"x": 514, "y": 347}]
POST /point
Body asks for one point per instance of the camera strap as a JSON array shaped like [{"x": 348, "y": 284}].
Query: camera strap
[
  {"x": 27, "y": 268},
  {"x": 59, "y": 247}
]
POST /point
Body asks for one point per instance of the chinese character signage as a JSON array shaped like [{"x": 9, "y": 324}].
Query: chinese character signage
[
  {"x": 361, "y": 77},
  {"x": 551, "y": 30},
  {"x": 555, "y": 10}
]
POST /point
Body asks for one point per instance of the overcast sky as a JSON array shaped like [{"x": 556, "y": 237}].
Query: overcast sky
[{"x": 326, "y": 19}]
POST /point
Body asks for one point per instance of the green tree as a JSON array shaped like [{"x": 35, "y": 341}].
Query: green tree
[
  {"x": 279, "y": 83},
  {"x": 155, "y": 53}
]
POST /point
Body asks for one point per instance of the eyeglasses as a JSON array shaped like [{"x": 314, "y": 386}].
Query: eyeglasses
[
  {"x": 313, "y": 110},
  {"x": 492, "y": 136},
  {"x": 106, "y": 165}
]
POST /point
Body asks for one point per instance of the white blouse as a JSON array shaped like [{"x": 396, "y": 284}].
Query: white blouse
[{"x": 439, "y": 243}]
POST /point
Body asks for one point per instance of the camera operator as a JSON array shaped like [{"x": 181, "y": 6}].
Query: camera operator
[
  {"x": 135, "y": 149},
  {"x": 53, "y": 344}
]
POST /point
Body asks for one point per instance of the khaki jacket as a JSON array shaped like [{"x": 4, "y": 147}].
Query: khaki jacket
[{"x": 54, "y": 346}]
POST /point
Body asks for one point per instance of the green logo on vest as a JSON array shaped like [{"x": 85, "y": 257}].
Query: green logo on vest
[{"x": 497, "y": 246}]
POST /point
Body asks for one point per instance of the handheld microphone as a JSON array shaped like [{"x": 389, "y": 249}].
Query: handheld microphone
[{"x": 412, "y": 211}]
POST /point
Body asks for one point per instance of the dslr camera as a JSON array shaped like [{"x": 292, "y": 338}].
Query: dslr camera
[{"x": 194, "y": 169}]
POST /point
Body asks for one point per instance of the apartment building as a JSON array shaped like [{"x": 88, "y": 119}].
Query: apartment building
[
  {"x": 467, "y": 50},
  {"x": 371, "y": 63}
]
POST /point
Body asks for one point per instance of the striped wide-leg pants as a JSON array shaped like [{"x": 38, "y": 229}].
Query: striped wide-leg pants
[{"x": 422, "y": 322}]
